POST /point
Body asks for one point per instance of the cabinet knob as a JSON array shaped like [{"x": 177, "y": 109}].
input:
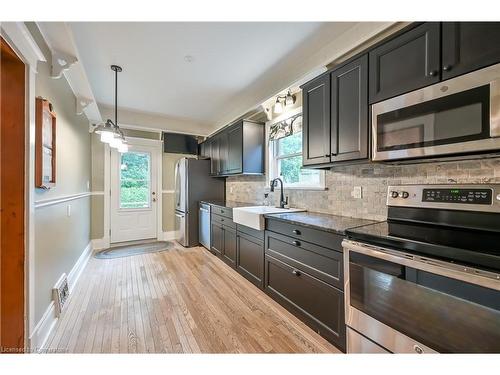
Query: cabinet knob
[
  {"x": 296, "y": 272},
  {"x": 447, "y": 68},
  {"x": 433, "y": 73},
  {"x": 296, "y": 231},
  {"x": 327, "y": 155},
  {"x": 296, "y": 243}
]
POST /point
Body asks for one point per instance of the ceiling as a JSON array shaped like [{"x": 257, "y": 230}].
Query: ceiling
[{"x": 207, "y": 73}]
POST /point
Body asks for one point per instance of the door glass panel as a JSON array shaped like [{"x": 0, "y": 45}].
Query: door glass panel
[
  {"x": 454, "y": 118},
  {"x": 135, "y": 180}
]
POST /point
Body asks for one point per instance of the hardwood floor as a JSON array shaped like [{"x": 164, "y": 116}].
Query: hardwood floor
[{"x": 176, "y": 301}]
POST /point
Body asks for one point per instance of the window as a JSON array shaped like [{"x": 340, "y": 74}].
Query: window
[
  {"x": 135, "y": 180},
  {"x": 285, "y": 158}
]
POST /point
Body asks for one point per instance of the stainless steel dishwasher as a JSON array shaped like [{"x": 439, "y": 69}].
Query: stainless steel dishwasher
[{"x": 204, "y": 225}]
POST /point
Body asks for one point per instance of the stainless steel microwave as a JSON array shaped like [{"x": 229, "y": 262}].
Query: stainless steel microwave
[{"x": 457, "y": 116}]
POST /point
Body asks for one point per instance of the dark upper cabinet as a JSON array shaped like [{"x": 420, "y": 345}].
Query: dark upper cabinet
[
  {"x": 316, "y": 121},
  {"x": 405, "y": 63},
  {"x": 349, "y": 111},
  {"x": 467, "y": 46},
  {"x": 235, "y": 149},
  {"x": 214, "y": 155},
  {"x": 238, "y": 149}
]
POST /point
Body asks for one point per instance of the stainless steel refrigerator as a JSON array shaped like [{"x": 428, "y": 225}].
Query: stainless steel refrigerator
[{"x": 193, "y": 183}]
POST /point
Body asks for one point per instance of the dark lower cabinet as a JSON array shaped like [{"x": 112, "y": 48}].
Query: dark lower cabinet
[
  {"x": 217, "y": 238},
  {"x": 229, "y": 249},
  {"x": 467, "y": 46},
  {"x": 406, "y": 63},
  {"x": 250, "y": 261},
  {"x": 318, "y": 304}
]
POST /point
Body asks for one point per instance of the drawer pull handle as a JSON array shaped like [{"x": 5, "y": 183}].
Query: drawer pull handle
[
  {"x": 296, "y": 231},
  {"x": 296, "y": 243},
  {"x": 296, "y": 272},
  {"x": 221, "y": 211}
]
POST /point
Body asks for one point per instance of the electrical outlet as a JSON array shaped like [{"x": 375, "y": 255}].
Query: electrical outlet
[
  {"x": 357, "y": 192},
  {"x": 68, "y": 210}
]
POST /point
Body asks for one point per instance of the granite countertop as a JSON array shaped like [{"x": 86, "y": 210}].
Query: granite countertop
[
  {"x": 228, "y": 204},
  {"x": 326, "y": 222}
]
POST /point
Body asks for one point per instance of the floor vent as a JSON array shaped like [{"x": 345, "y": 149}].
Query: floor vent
[{"x": 60, "y": 294}]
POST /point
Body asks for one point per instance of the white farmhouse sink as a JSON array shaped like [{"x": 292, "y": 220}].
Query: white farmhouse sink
[{"x": 253, "y": 217}]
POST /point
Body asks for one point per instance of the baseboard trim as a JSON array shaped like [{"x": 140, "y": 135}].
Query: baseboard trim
[
  {"x": 44, "y": 327},
  {"x": 168, "y": 236},
  {"x": 79, "y": 266},
  {"x": 100, "y": 243}
]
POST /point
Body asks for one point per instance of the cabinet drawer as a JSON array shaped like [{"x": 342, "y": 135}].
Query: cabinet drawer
[
  {"x": 318, "y": 304},
  {"x": 223, "y": 220},
  {"x": 318, "y": 237},
  {"x": 322, "y": 263},
  {"x": 223, "y": 211},
  {"x": 259, "y": 234}
]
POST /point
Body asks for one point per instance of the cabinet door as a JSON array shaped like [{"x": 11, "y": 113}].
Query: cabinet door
[
  {"x": 250, "y": 259},
  {"x": 223, "y": 164},
  {"x": 316, "y": 121},
  {"x": 405, "y": 63},
  {"x": 229, "y": 252},
  {"x": 349, "y": 114},
  {"x": 235, "y": 149},
  {"x": 318, "y": 304},
  {"x": 214, "y": 156},
  {"x": 217, "y": 245},
  {"x": 468, "y": 46}
]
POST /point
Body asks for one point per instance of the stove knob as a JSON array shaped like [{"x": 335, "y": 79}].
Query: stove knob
[
  {"x": 394, "y": 194},
  {"x": 405, "y": 194}
]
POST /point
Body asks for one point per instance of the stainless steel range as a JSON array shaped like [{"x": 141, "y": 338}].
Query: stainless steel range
[{"x": 427, "y": 279}]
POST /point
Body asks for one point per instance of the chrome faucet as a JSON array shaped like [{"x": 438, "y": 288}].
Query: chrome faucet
[{"x": 283, "y": 202}]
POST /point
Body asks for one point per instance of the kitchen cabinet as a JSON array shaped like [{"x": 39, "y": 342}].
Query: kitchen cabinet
[
  {"x": 467, "y": 46},
  {"x": 406, "y": 62},
  {"x": 238, "y": 149},
  {"x": 304, "y": 273},
  {"x": 318, "y": 304},
  {"x": 316, "y": 121},
  {"x": 250, "y": 260},
  {"x": 349, "y": 111},
  {"x": 335, "y": 116},
  {"x": 229, "y": 249},
  {"x": 217, "y": 238}
]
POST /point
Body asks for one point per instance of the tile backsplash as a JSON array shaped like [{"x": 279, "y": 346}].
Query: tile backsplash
[{"x": 373, "y": 179}]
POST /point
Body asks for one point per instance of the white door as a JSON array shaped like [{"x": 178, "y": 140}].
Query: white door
[{"x": 133, "y": 193}]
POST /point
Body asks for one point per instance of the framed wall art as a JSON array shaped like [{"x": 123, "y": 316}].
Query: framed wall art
[{"x": 45, "y": 144}]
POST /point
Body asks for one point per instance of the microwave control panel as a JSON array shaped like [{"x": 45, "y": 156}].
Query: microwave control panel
[{"x": 463, "y": 196}]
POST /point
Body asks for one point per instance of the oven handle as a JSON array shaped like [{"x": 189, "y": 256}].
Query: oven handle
[{"x": 467, "y": 274}]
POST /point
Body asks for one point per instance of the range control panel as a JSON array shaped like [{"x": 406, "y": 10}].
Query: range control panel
[
  {"x": 463, "y": 196},
  {"x": 479, "y": 197}
]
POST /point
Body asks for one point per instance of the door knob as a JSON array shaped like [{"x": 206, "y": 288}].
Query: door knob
[
  {"x": 154, "y": 199},
  {"x": 432, "y": 73},
  {"x": 447, "y": 68},
  {"x": 153, "y": 193},
  {"x": 296, "y": 272}
]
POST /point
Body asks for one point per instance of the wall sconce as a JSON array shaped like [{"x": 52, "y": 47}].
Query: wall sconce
[{"x": 283, "y": 101}]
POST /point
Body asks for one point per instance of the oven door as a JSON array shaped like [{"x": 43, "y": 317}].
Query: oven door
[
  {"x": 406, "y": 303},
  {"x": 458, "y": 116}
]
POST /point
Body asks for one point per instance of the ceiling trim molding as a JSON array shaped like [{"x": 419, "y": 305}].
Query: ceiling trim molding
[
  {"x": 21, "y": 40},
  {"x": 65, "y": 61}
]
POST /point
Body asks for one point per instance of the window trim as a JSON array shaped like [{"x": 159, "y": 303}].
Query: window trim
[{"x": 273, "y": 169}]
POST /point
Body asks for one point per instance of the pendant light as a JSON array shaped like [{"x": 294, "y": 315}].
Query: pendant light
[{"x": 110, "y": 132}]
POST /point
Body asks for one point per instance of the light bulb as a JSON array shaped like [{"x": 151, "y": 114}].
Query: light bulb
[
  {"x": 107, "y": 137},
  {"x": 289, "y": 99},
  {"x": 115, "y": 143},
  {"x": 278, "y": 107},
  {"x": 123, "y": 148}
]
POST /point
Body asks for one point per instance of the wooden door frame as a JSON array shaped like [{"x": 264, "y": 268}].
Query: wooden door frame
[{"x": 18, "y": 37}]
